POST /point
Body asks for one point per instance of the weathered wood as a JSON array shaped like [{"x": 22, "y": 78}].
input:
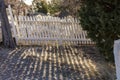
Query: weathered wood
[
  {"x": 6, "y": 29},
  {"x": 50, "y": 29}
]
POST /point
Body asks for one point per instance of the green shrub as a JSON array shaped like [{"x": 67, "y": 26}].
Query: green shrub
[
  {"x": 42, "y": 7},
  {"x": 53, "y": 8},
  {"x": 45, "y": 8},
  {"x": 101, "y": 19}
]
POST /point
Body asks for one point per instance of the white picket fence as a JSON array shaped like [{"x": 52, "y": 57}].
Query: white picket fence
[
  {"x": 34, "y": 30},
  {"x": 37, "y": 30}
]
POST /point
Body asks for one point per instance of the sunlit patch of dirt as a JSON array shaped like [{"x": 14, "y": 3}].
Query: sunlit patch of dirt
[{"x": 55, "y": 63}]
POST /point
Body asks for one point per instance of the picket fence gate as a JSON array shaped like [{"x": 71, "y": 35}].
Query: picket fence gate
[{"x": 36, "y": 30}]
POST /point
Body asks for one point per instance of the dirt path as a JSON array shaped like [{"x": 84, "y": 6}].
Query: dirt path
[{"x": 53, "y": 63}]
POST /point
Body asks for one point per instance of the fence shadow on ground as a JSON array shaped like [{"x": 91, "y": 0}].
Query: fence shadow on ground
[{"x": 51, "y": 63}]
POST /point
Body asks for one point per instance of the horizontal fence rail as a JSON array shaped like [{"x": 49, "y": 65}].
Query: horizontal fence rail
[{"x": 34, "y": 30}]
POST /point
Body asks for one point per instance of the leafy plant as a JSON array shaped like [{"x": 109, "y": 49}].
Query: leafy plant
[
  {"x": 42, "y": 7},
  {"x": 53, "y": 8},
  {"x": 101, "y": 19}
]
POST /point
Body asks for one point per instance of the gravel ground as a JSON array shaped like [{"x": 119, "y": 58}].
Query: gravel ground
[{"x": 54, "y": 63}]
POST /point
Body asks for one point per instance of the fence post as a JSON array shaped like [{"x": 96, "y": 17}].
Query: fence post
[
  {"x": 117, "y": 57},
  {"x": 12, "y": 19},
  {"x": 14, "y": 35}
]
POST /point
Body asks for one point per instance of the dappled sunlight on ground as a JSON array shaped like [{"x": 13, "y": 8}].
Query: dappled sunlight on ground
[{"x": 51, "y": 63}]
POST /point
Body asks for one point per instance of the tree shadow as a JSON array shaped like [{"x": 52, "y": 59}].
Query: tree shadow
[{"x": 49, "y": 63}]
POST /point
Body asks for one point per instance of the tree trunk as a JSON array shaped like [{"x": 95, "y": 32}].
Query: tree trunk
[{"x": 6, "y": 29}]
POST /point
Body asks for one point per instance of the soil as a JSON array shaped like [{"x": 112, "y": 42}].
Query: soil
[{"x": 54, "y": 63}]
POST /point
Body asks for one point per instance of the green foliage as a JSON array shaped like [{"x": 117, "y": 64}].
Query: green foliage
[
  {"x": 53, "y": 8},
  {"x": 42, "y": 7},
  {"x": 101, "y": 19},
  {"x": 45, "y": 8}
]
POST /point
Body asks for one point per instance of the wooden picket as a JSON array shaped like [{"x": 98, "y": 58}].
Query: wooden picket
[{"x": 36, "y": 30}]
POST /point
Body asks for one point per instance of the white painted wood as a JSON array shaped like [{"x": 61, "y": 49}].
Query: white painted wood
[
  {"x": 117, "y": 57},
  {"x": 12, "y": 20},
  {"x": 47, "y": 29}
]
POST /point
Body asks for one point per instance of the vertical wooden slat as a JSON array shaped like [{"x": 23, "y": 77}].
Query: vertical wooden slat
[
  {"x": 12, "y": 19},
  {"x": 51, "y": 29},
  {"x": 78, "y": 28},
  {"x": 17, "y": 29}
]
